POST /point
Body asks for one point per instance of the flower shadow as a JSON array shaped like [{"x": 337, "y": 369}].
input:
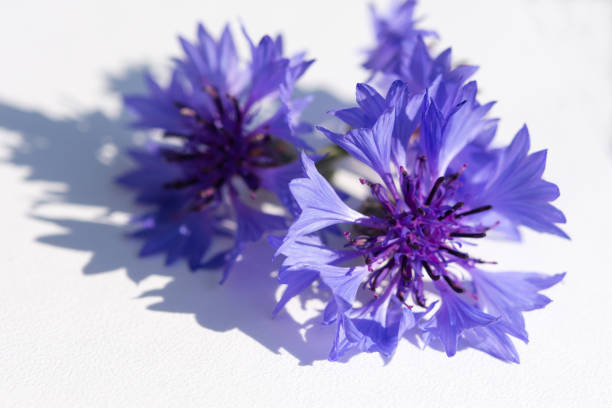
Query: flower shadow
[
  {"x": 84, "y": 155},
  {"x": 245, "y": 301}
]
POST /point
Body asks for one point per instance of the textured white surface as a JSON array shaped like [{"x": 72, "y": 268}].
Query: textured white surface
[{"x": 83, "y": 322}]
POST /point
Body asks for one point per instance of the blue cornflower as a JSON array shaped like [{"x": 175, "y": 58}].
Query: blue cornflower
[
  {"x": 396, "y": 38},
  {"x": 408, "y": 264},
  {"x": 400, "y": 52},
  {"x": 229, "y": 131}
]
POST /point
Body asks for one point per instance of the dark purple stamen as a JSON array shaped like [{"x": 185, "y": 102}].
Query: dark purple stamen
[
  {"x": 218, "y": 148},
  {"x": 454, "y": 286},
  {"x": 451, "y": 210},
  {"x": 216, "y": 99},
  {"x": 374, "y": 277},
  {"x": 468, "y": 234},
  {"x": 419, "y": 299},
  {"x": 181, "y": 183},
  {"x": 434, "y": 189},
  {"x": 414, "y": 235},
  {"x": 176, "y": 134},
  {"x": 474, "y": 211},
  {"x": 454, "y": 252},
  {"x": 405, "y": 269},
  {"x": 432, "y": 275},
  {"x": 174, "y": 156},
  {"x": 236, "y": 109}
]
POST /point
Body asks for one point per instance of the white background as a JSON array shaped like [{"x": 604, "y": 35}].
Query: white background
[{"x": 83, "y": 322}]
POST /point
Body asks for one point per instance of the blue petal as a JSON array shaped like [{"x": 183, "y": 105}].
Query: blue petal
[
  {"x": 449, "y": 91},
  {"x": 321, "y": 206},
  {"x": 517, "y": 192},
  {"x": 493, "y": 340},
  {"x": 158, "y": 109},
  {"x": 268, "y": 70},
  {"x": 370, "y": 101},
  {"x": 347, "y": 338},
  {"x": 296, "y": 281},
  {"x": 344, "y": 282},
  {"x": 280, "y": 125},
  {"x": 228, "y": 57},
  {"x": 371, "y": 146},
  {"x": 330, "y": 313},
  {"x": 371, "y": 106},
  {"x": 297, "y": 68},
  {"x": 301, "y": 267},
  {"x": 310, "y": 249},
  {"x": 407, "y": 108},
  {"x": 354, "y": 117},
  {"x": 432, "y": 136},
  {"x": 396, "y": 37},
  {"x": 207, "y": 62},
  {"x": 189, "y": 236},
  {"x": 375, "y": 327},
  {"x": 508, "y": 294},
  {"x": 252, "y": 224},
  {"x": 277, "y": 179},
  {"x": 453, "y": 318},
  {"x": 194, "y": 58},
  {"x": 416, "y": 73},
  {"x": 461, "y": 128},
  {"x": 383, "y": 325},
  {"x": 443, "y": 138}
]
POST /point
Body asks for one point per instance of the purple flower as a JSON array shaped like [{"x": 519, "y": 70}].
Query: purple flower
[
  {"x": 401, "y": 53},
  {"x": 229, "y": 131},
  {"x": 396, "y": 38},
  {"x": 409, "y": 263}
]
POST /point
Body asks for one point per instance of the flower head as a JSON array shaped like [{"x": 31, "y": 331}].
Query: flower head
[
  {"x": 229, "y": 131},
  {"x": 400, "y": 52},
  {"x": 441, "y": 188},
  {"x": 396, "y": 37}
]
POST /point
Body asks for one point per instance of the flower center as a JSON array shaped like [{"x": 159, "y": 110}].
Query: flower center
[
  {"x": 218, "y": 147},
  {"x": 421, "y": 233}
]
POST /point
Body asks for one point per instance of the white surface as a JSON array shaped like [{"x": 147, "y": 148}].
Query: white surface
[{"x": 83, "y": 322}]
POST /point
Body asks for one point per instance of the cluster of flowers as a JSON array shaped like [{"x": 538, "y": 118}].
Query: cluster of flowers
[{"x": 232, "y": 131}]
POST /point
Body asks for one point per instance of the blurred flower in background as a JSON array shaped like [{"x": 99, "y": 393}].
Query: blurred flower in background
[
  {"x": 229, "y": 133},
  {"x": 400, "y": 52},
  {"x": 397, "y": 38}
]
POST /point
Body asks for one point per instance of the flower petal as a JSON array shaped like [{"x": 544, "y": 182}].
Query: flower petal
[
  {"x": 493, "y": 340},
  {"x": 371, "y": 146},
  {"x": 453, "y": 318},
  {"x": 508, "y": 294},
  {"x": 517, "y": 191},
  {"x": 375, "y": 327},
  {"x": 252, "y": 224},
  {"x": 320, "y": 205}
]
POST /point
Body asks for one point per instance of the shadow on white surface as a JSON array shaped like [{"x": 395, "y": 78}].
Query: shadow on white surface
[
  {"x": 85, "y": 154},
  {"x": 245, "y": 302}
]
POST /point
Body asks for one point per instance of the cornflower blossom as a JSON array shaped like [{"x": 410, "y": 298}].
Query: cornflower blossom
[
  {"x": 396, "y": 38},
  {"x": 230, "y": 131},
  {"x": 400, "y": 52},
  {"x": 409, "y": 263}
]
